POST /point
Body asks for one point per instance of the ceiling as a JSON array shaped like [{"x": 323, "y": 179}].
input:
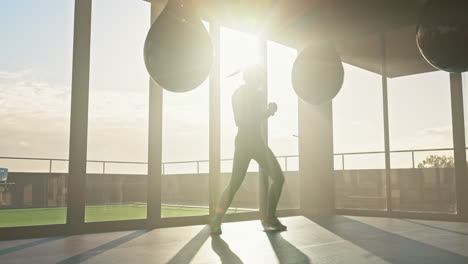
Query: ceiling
[
  {"x": 355, "y": 26},
  {"x": 401, "y": 52}
]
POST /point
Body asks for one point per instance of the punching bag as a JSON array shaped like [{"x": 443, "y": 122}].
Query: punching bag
[
  {"x": 442, "y": 34},
  {"x": 178, "y": 51},
  {"x": 318, "y": 73}
]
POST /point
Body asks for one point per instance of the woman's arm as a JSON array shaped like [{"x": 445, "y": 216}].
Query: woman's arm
[
  {"x": 270, "y": 111},
  {"x": 238, "y": 108}
]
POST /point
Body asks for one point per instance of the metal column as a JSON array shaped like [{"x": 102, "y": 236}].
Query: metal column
[
  {"x": 388, "y": 180},
  {"x": 79, "y": 115},
  {"x": 459, "y": 145},
  {"x": 262, "y": 177},
  {"x": 155, "y": 141},
  {"x": 215, "y": 120}
]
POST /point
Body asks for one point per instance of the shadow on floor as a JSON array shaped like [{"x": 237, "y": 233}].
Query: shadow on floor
[
  {"x": 28, "y": 245},
  {"x": 436, "y": 227},
  {"x": 186, "y": 254},
  {"x": 103, "y": 248},
  {"x": 388, "y": 246},
  {"x": 285, "y": 251},
  {"x": 221, "y": 248}
]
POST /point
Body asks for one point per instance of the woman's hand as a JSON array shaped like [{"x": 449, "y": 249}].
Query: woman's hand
[{"x": 272, "y": 108}]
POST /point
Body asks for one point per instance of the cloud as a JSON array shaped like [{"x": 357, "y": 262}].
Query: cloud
[
  {"x": 35, "y": 115},
  {"x": 24, "y": 143},
  {"x": 5, "y": 75},
  {"x": 22, "y": 93},
  {"x": 437, "y": 131},
  {"x": 432, "y": 137}
]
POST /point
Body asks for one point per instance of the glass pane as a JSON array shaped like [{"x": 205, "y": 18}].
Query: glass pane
[
  {"x": 35, "y": 88},
  {"x": 421, "y": 143},
  {"x": 358, "y": 141},
  {"x": 283, "y": 126},
  {"x": 185, "y": 181},
  {"x": 116, "y": 181},
  {"x": 237, "y": 51}
]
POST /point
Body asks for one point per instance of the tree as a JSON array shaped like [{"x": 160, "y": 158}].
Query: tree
[{"x": 436, "y": 161}]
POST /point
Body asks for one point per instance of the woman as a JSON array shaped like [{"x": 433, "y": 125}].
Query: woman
[{"x": 250, "y": 114}]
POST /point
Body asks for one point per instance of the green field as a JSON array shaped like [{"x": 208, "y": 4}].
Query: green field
[{"x": 57, "y": 215}]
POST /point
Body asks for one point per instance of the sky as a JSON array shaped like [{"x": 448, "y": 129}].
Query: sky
[{"x": 35, "y": 79}]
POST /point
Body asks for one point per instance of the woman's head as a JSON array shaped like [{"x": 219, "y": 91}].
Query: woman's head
[{"x": 254, "y": 74}]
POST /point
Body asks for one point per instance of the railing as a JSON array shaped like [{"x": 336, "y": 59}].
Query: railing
[
  {"x": 198, "y": 162},
  {"x": 412, "y": 151},
  {"x": 164, "y": 164},
  {"x": 103, "y": 162}
]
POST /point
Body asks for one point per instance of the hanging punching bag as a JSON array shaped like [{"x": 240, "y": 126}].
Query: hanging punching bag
[
  {"x": 178, "y": 51},
  {"x": 318, "y": 73},
  {"x": 442, "y": 34}
]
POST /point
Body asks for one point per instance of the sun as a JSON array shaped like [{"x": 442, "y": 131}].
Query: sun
[{"x": 238, "y": 50}]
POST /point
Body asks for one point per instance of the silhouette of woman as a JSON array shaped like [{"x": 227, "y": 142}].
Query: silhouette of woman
[{"x": 249, "y": 115}]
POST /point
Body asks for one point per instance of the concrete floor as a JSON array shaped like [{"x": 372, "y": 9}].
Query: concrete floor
[{"x": 341, "y": 239}]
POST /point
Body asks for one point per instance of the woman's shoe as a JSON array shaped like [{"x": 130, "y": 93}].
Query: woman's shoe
[
  {"x": 215, "y": 229},
  {"x": 273, "y": 224}
]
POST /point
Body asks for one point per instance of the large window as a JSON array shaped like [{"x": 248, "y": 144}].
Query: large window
[
  {"x": 35, "y": 83},
  {"x": 359, "y": 141},
  {"x": 118, "y": 112},
  {"x": 35, "y": 101},
  {"x": 283, "y": 126},
  {"x": 421, "y": 143}
]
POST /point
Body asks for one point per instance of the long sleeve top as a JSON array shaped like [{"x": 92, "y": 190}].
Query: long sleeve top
[{"x": 250, "y": 111}]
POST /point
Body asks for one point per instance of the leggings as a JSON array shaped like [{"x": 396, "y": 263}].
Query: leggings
[{"x": 246, "y": 150}]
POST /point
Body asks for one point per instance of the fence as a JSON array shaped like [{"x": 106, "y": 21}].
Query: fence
[
  {"x": 285, "y": 160},
  {"x": 412, "y": 188},
  {"x": 104, "y": 163}
]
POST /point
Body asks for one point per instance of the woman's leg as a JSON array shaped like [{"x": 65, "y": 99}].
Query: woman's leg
[
  {"x": 268, "y": 162},
  {"x": 239, "y": 169}
]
